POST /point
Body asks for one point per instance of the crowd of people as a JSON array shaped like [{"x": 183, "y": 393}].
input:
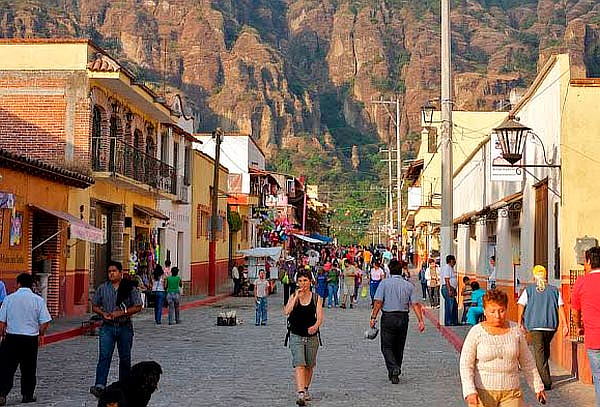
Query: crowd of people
[{"x": 495, "y": 352}]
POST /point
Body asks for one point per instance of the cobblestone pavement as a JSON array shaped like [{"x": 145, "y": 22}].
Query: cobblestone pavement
[{"x": 245, "y": 365}]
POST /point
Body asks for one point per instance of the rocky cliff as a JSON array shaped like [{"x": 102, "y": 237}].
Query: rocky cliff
[{"x": 302, "y": 74}]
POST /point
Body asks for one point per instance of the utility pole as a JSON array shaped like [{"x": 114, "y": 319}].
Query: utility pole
[
  {"x": 446, "y": 227},
  {"x": 214, "y": 224},
  {"x": 396, "y": 121}
]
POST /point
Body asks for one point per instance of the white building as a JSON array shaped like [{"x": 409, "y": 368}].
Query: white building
[{"x": 174, "y": 234}]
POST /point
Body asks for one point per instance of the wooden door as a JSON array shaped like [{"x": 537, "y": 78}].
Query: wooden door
[
  {"x": 103, "y": 251},
  {"x": 541, "y": 224}
]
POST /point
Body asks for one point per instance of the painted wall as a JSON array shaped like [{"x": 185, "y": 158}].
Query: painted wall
[
  {"x": 177, "y": 235},
  {"x": 202, "y": 175}
]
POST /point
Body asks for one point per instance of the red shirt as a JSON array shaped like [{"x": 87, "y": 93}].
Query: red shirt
[{"x": 585, "y": 298}]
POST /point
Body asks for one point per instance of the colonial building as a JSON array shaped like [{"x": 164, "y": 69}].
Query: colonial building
[
  {"x": 36, "y": 232},
  {"x": 68, "y": 103},
  {"x": 545, "y": 213}
]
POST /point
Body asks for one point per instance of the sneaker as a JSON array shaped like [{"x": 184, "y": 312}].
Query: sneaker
[
  {"x": 29, "y": 399},
  {"x": 301, "y": 398},
  {"x": 329, "y": 306},
  {"x": 307, "y": 395},
  {"x": 395, "y": 379},
  {"x": 97, "y": 390},
  {"x": 351, "y": 306},
  {"x": 264, "y": 324}
]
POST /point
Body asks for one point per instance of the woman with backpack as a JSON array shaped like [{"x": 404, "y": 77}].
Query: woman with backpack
[{"x": 305, "y": 316}]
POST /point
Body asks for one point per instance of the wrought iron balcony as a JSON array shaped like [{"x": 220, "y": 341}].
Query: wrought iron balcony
[{"x": 118, "y": 157}]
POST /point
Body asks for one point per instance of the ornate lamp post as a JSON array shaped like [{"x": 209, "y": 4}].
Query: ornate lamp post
[{"x": 512, "y": 135}]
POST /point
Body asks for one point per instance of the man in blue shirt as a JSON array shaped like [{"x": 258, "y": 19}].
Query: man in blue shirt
[
  {"x": 115, "y": 301},
  {"x": 395, "y": 297},
  {"x": 24, "y": 317}
]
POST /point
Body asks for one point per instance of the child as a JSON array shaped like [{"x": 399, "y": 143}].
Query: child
[
  {"x": 322, "y": 284},
  {"x": 173, "y": 295},
  {"x": 261, "y": 290},
  {"x": 476, "y": 309},
  {"x": 466, "y": 294}
]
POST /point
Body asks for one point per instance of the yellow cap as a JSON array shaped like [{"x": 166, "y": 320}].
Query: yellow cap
[{"x": 539, "y": 272}]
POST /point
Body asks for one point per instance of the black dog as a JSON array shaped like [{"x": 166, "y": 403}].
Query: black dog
[{"x": 136, "y": 390}]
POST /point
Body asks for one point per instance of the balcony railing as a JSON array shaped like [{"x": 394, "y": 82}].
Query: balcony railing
[{"x": 118, "y": 157}]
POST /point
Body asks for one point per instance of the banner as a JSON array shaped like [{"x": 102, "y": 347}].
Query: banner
[{"x": 505, "y": 174}]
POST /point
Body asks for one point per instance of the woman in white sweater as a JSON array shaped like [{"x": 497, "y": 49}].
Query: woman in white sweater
[{"x": 494, "y": 353}]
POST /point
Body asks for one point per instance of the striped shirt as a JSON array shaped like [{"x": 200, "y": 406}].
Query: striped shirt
[{"x": 105, "y": 297}]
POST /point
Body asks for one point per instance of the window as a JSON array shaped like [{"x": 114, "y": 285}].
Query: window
[
  {"x": 202, "y": 222},
  {"x": 432, "y": 140},
  {"x": 164, "y": 147},
  {"x": 187, "y": 166},
  {"x": 96, "y": 138}
]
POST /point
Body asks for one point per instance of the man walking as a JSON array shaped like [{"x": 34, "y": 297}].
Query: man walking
[
  {"x": 449, "y": 290},
  {"x": 395, "y": 296},
  {"x": 585, "y": 299},
  {"x": 288, "y": 278},
  {"x": 115, "y": 301},
  {"x": 24, "y": 317}
]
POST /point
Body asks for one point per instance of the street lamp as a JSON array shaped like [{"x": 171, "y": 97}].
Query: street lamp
[
  {"x": 427, "y": 113},
  {"x": 512, "y": 135}
]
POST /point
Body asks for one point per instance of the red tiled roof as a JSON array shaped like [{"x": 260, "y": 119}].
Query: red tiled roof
[{"x": 102, "y": 63}]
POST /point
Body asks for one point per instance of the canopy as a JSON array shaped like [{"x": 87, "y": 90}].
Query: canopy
[
  {"x": 153, "y": 213},
  {"x": 272, "y": 252},
  {"x": 79, "y": 229},
  {"x": 325, "y": 239},
  {"x": 309, "y": 239}
]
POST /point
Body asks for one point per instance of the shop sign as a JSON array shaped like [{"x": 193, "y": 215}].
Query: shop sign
[
  {"x": 276, "y": 200},
  {"x": 414, "y": 198}
]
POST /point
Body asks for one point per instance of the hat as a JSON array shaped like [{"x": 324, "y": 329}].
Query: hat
[
  {"x": 306, "y": 267},
  {"x": 289, "y": 258}
]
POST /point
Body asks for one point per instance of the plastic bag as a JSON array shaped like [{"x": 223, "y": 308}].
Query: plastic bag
[{"x": 364, "y": 292}]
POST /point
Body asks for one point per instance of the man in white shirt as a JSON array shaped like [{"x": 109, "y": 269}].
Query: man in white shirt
[
  {"x": 24, "y": 317},
  {"x": 492, "y": 276},
  {"x": 449, "y": 289},
  {"x": 235, "y": 276}
]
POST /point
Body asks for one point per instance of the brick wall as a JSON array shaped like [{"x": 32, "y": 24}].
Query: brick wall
[{"x": 45, "y": 115}]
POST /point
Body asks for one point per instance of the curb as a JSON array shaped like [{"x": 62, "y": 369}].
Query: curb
[
  {"x": 451, "y": 336},
  {"x": 75, "y": 332}
]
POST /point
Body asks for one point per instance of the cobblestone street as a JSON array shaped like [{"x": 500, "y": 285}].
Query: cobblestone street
[{"x": 206, "y": 365}]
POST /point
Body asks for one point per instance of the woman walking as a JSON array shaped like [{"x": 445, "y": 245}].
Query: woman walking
[
  {"x": 305, "y": 316},
  {"x": 322, "y": 284},
  {"x": 432, "y": 276},
  {"x": 174, "y": 295},
  {"x": 541, "y": 308},
  {"x": 492, "y": 355},
  {"x": 377, "y": 274},
  {"x": 158, "y": 288}
]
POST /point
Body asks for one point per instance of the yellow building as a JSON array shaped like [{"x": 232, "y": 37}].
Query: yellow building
[
  {"x": 68, "y": 103},
  {"x": 203, "y": 168},
  {"x": 423, "y": 176}
]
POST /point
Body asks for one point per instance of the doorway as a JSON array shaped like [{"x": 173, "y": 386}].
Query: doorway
[
  {"x": 541, "y": 224},
  {"x": 103, "y": 252}
]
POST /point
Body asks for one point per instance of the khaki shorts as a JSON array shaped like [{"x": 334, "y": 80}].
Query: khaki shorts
[
  {"x": 348, "y": 289},
  {"x": 304, "y": 350},
  {"x": 500, "y": 398}
]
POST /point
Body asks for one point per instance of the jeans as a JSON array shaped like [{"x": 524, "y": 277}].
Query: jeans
[
  {"x": 18, "y": 350},
  {"x": 594, "y": 357},
  {"x": 159, "y": 301},
  {"x": 173, "y": 300},
  {"x": 122, "y": 336},
  {"x": 394, "y": 327},
  {"x": 466, "y": 306},
  {"x": 434, "y": 296},
  {"x": 261, "y": 311},
  {"x": 288, "y": 289},
  {"x": 424, "y": 289},
  {"x": 237, "y": 285},
  {"x": 450, "y": 308},
  {"x": 373, "y": 288},
  {"x": 332, "y": 296}
]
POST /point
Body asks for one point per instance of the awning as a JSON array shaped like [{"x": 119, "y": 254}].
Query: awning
[
  {"x": 272, "y": 252},
  {"x": 79, "y": 228},
  {"x": 318, "y": 236},
  {"x": 309, "y": 239},
  {"x": 153, "y": 213}
]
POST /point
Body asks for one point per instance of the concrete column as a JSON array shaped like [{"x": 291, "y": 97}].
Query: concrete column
[
  {"x": 462, "y": 250},
  {"x": 504, "y": 266},
  {"x": 482, "y": 243}
]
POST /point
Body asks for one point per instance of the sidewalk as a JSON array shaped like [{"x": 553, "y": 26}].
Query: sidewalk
[
  {"x": 566, "y": 391},
  {"x": 69, "y": 327}
]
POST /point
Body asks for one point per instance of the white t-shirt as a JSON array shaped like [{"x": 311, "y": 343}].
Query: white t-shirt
[
  {"x": 448, "y": 272},
  {"x": 235, "y": 273},
  {"x": 262, "y": 287},
  {"x": 377, "y": 274}
]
